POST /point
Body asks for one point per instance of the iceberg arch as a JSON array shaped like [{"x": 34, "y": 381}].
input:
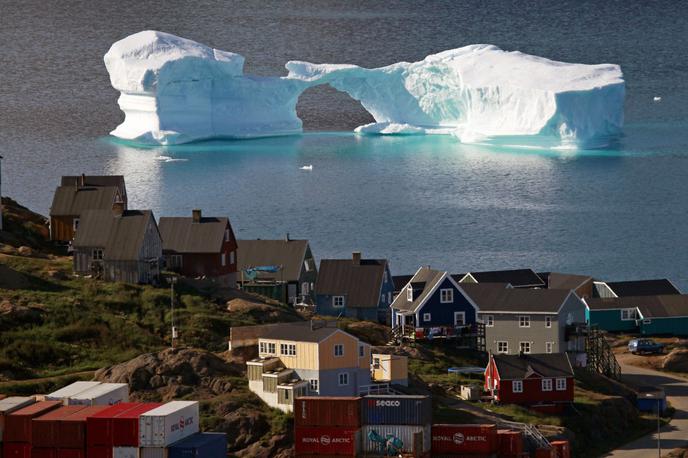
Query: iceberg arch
[{"x": 174, "y": 90}]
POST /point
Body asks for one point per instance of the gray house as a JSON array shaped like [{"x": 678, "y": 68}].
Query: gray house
[
  {"x": 118, "y": 245},
  {"x": 528, "y": 320}
]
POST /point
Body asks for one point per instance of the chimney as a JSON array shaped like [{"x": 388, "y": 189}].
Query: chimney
[
  {"x": 83, "y": 180},
  {"x": 118, "y": 208},
  {"x": 196, "y": 215},
  {"x": 356, "y": 257},
  {"x": 286, "y": 237}
]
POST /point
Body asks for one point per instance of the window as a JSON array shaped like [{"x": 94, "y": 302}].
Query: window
[
  {"x": 426, "y": 317},
  {"x": 549, "y": 347},
  {"x": 524, "y": 347},
  {"x": 97, "y": 254},
  {"x": 224, "y": 259},
  {"x": 389, "y": 297},
  {"x": 524, "y": 321},
  {"x": 386, "y": 276},
  {"x": 489, "y": 321},
  {"x": 263, "y": 348},
  {"x": 288, "y": 349},
  {"x": 517, "y": 386},
  {"x": 268, "y": 348},
  {"x": 339, "y": 350},
  {"x": 502, "y": 347},
  {"x": 548, "y": 321},
  {"x": 304, "y": 288},
  {"x": 546, "y": 384},
  {"x": 337, "y": 301},
  {"x": 75, "y": 224},
  {"x": 226, "y": 235},
  {"x": 271, "y": 348},
  {"x": 409, "y": 294},
  {"x": 459, "y": 318},
  {"x": 343, "y": 378},
  {"x": 446, "y": 295},
  {"x": 561, "y": 384},
  {"x": 313, "y": 383},
  {"x": 361, "y": 351},
  {"x": 231, "y": 257},
  {"x": 647, "y": 321},
  {"x": 383, "y": 298},
  {"x": 376, "y": 363},
  {"x": 307, "y": 265},
  {"x": 629, "y": 314},
  {"x": 286, "y": 395}
]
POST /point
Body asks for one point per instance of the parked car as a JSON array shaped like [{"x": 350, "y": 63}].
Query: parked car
[{"x": 648, "y": 346}]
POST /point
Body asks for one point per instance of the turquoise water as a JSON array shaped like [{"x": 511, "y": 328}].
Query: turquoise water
[{"x": 617, "y": 214}]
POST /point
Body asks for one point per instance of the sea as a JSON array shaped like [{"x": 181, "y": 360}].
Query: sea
[{"x": 616, "y": 214}]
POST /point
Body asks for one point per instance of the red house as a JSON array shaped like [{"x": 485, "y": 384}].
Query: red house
[
  {"x": 200, "y": 247},
  {"x": 543, "y": 382}
]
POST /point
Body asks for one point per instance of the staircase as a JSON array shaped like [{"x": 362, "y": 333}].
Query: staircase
[
  {"x": 601, "y": 358},
  {"x": 399, "y": 333},
  {"x": 534, "y": 437}
]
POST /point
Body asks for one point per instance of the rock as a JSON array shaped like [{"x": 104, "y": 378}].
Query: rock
[
  {"x": 244, "y": 427},
  {"x": 25, "y": 251},
  {"x": 676, "y": 361}
]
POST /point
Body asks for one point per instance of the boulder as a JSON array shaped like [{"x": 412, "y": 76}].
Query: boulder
[
  {"x": 676, "y": 361},
  {"x": 25, "y": 251}
]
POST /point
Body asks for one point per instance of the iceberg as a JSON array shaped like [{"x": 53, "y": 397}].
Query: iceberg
[{"x": 175, "y": 90}]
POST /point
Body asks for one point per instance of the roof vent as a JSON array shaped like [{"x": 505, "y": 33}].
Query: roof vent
[{"x": 356, "y": 257}]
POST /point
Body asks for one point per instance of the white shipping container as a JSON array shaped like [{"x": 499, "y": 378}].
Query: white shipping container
[
  {"x": 153, "y": 452},
  {"x": 63, "y": 394},
  {"x": 125, "y": 452},
  {"x": 407, "y": 434},
  {"x": 9, "y": 405},
  {"x": 168, "y": 423},
  {"x": 105, "y": 394}
]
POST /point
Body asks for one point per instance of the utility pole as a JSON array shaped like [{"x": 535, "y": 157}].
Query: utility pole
[
  {"x": 172, "y": 281},
  {"x": 0, "y": 193}
]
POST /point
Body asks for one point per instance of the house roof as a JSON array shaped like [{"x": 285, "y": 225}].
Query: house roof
[
  {"x": 497, "y": 298},
  {"x": 643, "y": 287},
  {"x": 360, "y": 283},
  {"x": 557, "y": 280},
  {"x": 665, "y": 306},
  {"x": 94, "y": 180},
  {"x": 289, "y": 254},
  {"x": 400, "y": 281},
  {"x": 73, "y": 201},
  {"x": 518, "y": 278},
  {"x": 518, "y": 367},
  {"x": 182, "y": 235},
  {"x": 300, "y": 332},
  {"x": 120, "y": 237},
  {"x": 424, "y": 280}
]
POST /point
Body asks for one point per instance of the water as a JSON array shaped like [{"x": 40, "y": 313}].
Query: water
[{"x": 415, "y": 200}]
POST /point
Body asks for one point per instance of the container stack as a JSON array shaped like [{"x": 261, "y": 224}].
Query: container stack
[
  {"x": 100, "y": 430},
  {"x": 464, "y": 440},
  {"x": 18, "y": 434},
  {"x": 161, "y": 427},
  {"x": 103, "y": 394},
  {"x": 510, "y": 444},
  {"x": 64, "y": 394},
  {"x": 327, "y": 426},
  {"x": 200, "y": 445}
]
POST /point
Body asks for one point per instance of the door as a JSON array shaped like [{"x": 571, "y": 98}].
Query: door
[{"x": 459, "y": 318}]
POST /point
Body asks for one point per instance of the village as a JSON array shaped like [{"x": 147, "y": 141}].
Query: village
[{"x": 453, "y": 354}]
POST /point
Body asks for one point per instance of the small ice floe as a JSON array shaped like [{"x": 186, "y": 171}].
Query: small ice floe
[
  {"x": 657, "y": 99},
  {"x": 169, "y": 159},
  {"x": 307, "y": 167}
]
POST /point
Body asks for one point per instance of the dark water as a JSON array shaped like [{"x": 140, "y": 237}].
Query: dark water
[{"x": 416, "y": 200}]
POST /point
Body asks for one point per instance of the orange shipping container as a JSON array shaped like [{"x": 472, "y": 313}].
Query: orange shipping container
[
  {"x": 546, "y": 453},
  {"x": 510, "y": 442},
  {"x": 563, "y": 448}
]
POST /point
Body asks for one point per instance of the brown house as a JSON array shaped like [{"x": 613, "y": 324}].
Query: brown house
[
  {"x": 200, "y": 246},
  {"x": 76, "y": 195}
]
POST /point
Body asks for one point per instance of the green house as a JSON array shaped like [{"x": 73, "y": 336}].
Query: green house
[
  {"x": 616, "y": 314},
  {"x": 668, "y": 316}
]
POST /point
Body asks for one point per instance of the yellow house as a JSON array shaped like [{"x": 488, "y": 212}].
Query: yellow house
[
  {"x": 308, "y": 358},
  {"x": 390, "y": 369}
]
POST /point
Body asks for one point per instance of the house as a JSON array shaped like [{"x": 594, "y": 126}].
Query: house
[
  {"x": 613, "y": 313},
  {"x": 308, "y": 359},
  {"x": 648, "y": 315},
  {"x": 200, "y": 246},
  {"x": 118, "y": 245},
  {"x": 543, "y": 382},
  {"x": 292, "y": 280},
  {"x": 76, "y": 195},
  {"x": 400, "y": 282},
  {"x": 635, "y": 288},
  {"x": 528, "y": 320},
  {"x": 432, "y": 299},
  {"x": 518, "y": 278},
  {"x": 355, "y": 287},
  {"x": 582, "y": 285}
]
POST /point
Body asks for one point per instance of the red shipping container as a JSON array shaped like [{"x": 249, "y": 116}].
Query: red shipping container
[
  {"x": 126, "y": 425},
  {"x": 344, "y": 412},
  {"x": 99, "y": 427},
  {"x": 18, "y": 423},
  {"x": 545, "y": 453},
  {"x": 72, "y": 429},
  {"x": 45, "y": 429},
  {"x": 71, "y": 452},
  {"x": 16, "y": 450},
  {"x": 326, "y": 441},
  {"x": 464, "y": 439},
  {"x": 510, "y": 442},
  {"x": 42, "y": 452},
  {"x": 99, "y": 451},
  {"x": 563, "y": 448}
]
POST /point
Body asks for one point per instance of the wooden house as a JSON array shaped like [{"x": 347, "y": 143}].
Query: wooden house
[
  {"x": 118, "y": 245},
  {"x": 544, "y": 382},
  {"x": 355, "y": 287},
  {"x": 200, "y": 246},
  {"x": 665, "y": 314}
]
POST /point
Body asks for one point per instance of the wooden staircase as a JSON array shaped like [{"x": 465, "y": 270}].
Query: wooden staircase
[{"x": 601, "y": 357}]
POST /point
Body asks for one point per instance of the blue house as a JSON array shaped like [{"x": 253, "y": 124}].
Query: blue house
[
  {"x": 355, "y": 287},
  {"x": 433, "y": 299}
]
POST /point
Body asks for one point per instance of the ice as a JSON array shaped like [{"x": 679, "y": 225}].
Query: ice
[{"x": 175, "y": 90}]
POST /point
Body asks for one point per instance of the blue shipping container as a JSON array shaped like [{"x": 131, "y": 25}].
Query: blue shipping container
[
  {"x": 200, "y": 445},
  {"x": 396, "y": 410}
]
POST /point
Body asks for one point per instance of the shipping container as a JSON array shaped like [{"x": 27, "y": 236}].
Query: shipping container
[
  {"x": 201, "y": 445},
  {"x": 16, "y": 450},
  {"x": 386, "y": 439},
  {"x": 99, "y": 427},
  {"x": 99, "y": 451},
  {"x": 510, "y": 442},
  {"x": 396, "y": 410},
  {"x": 72, "y": 429},
  {"x": 105, "y": 394},
  {"x": 63, "y": 394},
  {"x": 464, "y": 439},
  {"x": 71, "y": 453},
  {"x": 124, "y": 452},
  {"x": 152, "y": 452},
  {"x": 18, "y": 423},
  {"x": 9, "y": 405},
  {"x": 343, "y": 412},
  {"x": 545, "y": 453},
  {"x": 41, "y": 452},
  {"x": 326, "y": 441},
  {"x": 563, "y": 448},
  {"x": 126, "y": 425},
  {"x": 46, "y": 429},
  {"x": 168, "y": 423}
]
